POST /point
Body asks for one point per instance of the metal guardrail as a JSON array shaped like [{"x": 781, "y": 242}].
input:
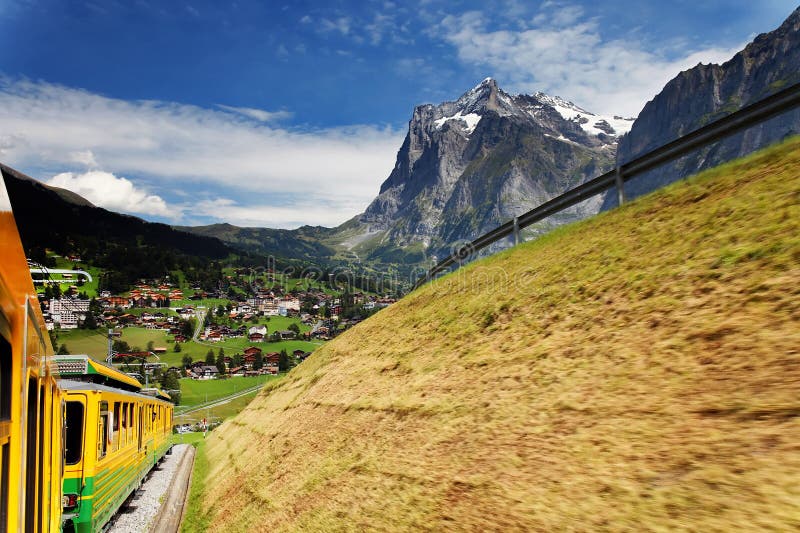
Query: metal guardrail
[{"x": 727, "y": 126}]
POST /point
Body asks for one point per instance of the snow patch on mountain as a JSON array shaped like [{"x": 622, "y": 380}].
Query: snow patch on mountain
[
  {"x": 590, "y": 123},
  {"x": 470, "y": 119}
]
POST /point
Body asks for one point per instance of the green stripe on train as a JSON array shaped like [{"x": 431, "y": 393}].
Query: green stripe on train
[{"x": 104, "y": 493}]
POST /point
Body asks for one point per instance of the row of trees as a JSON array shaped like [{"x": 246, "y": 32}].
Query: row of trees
[{"x": 285, "y": 361}]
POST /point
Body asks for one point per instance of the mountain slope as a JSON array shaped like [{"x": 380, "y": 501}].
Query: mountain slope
[
  {"x": 52, "y": 217},
  {"x": 302, "y": 243},
  {"x": 708, "y": 92},
  {"x": 635, "y": 370}
]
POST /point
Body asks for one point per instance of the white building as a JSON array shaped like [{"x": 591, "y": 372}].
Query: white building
[{"x": 66, "y": 312}]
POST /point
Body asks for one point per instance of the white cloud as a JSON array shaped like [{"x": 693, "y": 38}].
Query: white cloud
[
  {"x": 563, "y": 53},
  {"x": 104, "y": 189},
  {"x": 45, "y": 127},
  {"x": 282, "y": 52},
  {"x": 340, "y": 24},
  {"x": 258, "y": 114},
  {"x": 84, "y": 157},
  {"x": 311, "y": 211}
]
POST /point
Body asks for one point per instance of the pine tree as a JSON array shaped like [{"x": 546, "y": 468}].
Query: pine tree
[{"x": 171, "y": 384}]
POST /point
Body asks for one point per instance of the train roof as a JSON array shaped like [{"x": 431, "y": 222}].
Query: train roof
[
  {"x": 84, "y": 368},
  {"x": 158, "y": 393},
  {"x": 72, "y": 385}
]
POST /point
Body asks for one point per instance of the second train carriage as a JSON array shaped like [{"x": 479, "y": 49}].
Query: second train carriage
[{"x": 115, "y": 433}]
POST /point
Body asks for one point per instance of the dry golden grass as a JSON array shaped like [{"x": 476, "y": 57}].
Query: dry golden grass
[{"x": 637, "y": 371}]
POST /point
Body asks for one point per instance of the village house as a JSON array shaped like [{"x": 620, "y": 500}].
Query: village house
[
  {"x": 208, "y": 372},
  {"x": 252, "y": 350},
  {"x": 115, "y": 301},
  {"x": 271, "y": 363},
  {"x": 257, "y": 333}
]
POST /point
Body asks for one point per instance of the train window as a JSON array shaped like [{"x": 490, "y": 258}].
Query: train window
[
  {"x": 41, "y": 481},
  {"x": 5, "y": 380},
  {"x": 131, "y": 431},
  {"x": 31, "y": 472},
  {"x": 115, "y": 426},
  {"x": 74, "y": 440},
  {"x": 128, "y": 422},
  {"x": 116, "y": 416},
  {"x": 123, "y": 423},
  {"x": 102, "y": 431}
]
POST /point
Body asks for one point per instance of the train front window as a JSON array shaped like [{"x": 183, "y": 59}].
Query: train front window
[{"x": 74, "y": 440}]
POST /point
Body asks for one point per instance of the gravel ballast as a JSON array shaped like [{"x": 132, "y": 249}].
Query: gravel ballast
[{"x": 140, "y": 512}]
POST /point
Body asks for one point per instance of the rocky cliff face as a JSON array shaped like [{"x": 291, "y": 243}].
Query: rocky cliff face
[
  {"x": 467, "y": 166},
  {"x": 707, "y": 92}
]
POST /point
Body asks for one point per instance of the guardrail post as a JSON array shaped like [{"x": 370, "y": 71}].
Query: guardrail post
[
  {"x": 620, "y": 187},
  {"x": 516, "y": 231}
]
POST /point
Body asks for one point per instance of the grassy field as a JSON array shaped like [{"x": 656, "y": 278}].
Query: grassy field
[
  {"x": 89, "y": 287},
  {"x": 635, "y": 371},
  {"x": 216, "y": 413},
  {"x": 166, "y": 311},
  {"x": 194, "y": 438},
  {"x": 94, "y": 343},
  {"x": 194, "y": 392},
  {"x": 208, "y": 303}
]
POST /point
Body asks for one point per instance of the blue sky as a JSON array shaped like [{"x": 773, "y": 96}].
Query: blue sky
[{"x": 282, "y": 114}]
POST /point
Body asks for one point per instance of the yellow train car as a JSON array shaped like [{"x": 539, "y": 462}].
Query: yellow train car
[
  {"x": 31, "y": 415},
  {"x": 115, "y": 434}
]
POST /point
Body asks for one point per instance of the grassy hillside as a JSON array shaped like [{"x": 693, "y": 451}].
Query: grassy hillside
[
  {"x": 635, "y": 371},
  {"x": 197, "y": 392}
]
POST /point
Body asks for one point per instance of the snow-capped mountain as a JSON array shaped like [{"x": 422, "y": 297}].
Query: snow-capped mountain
[{"x": 469, "y": 165}]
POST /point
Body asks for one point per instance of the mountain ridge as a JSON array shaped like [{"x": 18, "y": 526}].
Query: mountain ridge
[{"x": 704, "y": 93}]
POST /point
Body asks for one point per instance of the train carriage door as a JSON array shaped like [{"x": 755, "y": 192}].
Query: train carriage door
[{"x": 5, "y": 420}]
